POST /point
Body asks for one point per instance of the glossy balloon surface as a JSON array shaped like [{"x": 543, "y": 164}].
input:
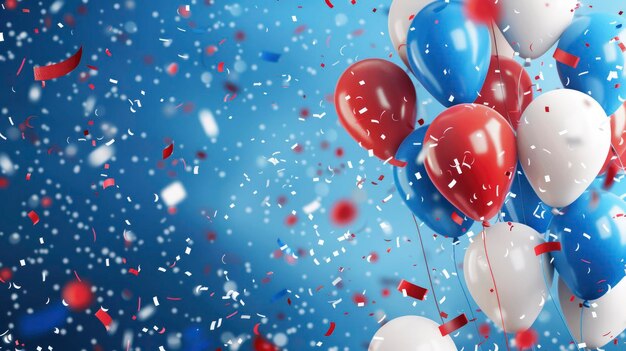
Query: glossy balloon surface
[
  {"x": 471, "y": 158},
  {"x": 592, "y": 233},
  {"x": 421, "y": 195},
  {"x": 377, "y": 105},
  {"x": 448, "y": 53},
  {"x": 591, "y": 38}
]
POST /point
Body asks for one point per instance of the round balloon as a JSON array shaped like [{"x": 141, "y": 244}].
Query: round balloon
[
  {"x": 376, "y": 104},
  {"x": 77, "y": 295},
  {"x": 421, "y": 195},
  {"x": 509, "y": 248},
  {"x": 603, "y": 320},
  {"x": 562, "y": 140},
  {"x": 532, "y": 27},
  {"x": 412, "y": 333},
  {"x": 507, "y": 89},
  {"x": 592, "y": 233},
  {"x": 401, "y": 13},
  {"x": 524, "y": 206},
  {"x": 618, "y": 144},
  {"x": 448, "y": 53},
  {"x": 471, "y": 157},
  {"x": 596, "y": 41},
  {"x": 499, "y": 45}
]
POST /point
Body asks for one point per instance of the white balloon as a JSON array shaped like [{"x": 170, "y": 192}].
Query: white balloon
[
  {"x": 532, "y": 27},
  {"x": 562, "y": 141},
  {"x": 399, "y": 21},
  {"x": 609, "y": 320},
  {"x": 516, "y": 271},
  {"x": 502, "y": 46},
  {"x": 411, "y": 333}
]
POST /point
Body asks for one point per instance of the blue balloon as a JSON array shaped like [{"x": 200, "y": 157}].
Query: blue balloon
[
  {"x": 592, "y": 232},
  {"x": 448, "y": 52},
  {"x": 420, "y": 194},
  {"x": 524, "y": 206},
  {"x": 592, "y": 39}
]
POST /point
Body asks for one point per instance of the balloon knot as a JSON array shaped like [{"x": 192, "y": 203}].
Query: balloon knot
[
  {"x": 486, "y": 224},
  {"x": 455, "y": 241},
  {"x": 586, "y": 304},
  {"x": 556, "y": 211}
]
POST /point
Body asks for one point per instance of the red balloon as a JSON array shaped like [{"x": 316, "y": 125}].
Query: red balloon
[
  {"x": 618, "y": 141},
  {"x": 377, "y": 105},
  {"x": 471, "y": 156},
  {"x": 507, "y": 89},
  {"x": 260, "y": 344},
  {"x": 77, "y": 295}
]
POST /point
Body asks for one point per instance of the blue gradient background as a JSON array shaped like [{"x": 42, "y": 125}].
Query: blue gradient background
[{"x": 262, "y": 122}]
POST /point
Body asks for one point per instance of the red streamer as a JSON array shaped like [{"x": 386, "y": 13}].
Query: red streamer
[
  {"x": 416, "y": 292},
  {"x": 547, "y": 247},
  {"x": 453, "y": 325},
  {"x": 58, "y": 69},
  {"x": 566, "y": 58}
]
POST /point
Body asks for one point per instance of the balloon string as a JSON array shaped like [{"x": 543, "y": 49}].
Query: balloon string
[
  {"x": 495, "y": 287},
  {"x": 582, "y": 310},
  {"x": 469, "y": 305},
  {"x": 556, "y": 307},
  {"x": 432, "y": 288}
]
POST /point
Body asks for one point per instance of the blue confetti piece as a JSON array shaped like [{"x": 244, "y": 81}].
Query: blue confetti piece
[
  {"x": 270, "y": 56},
  {"x": 279, "y": 295}
]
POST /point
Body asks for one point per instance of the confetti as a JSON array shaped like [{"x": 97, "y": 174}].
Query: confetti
[{"x": 58, "y": 69}]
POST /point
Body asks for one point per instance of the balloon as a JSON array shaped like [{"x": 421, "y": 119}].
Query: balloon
[
  {"x": 499, "y": 45},
  {"x": 609, "y": 320},
  {"x": 618, "y": 129},
  {"x": 412, "y": 333},
  {"x": 592, "y": 233},
  {"x": 524, "y": 206},
  {"x": 77, "y": 295},
  {"x": 376, "y": 104},
  {"x": 507, "y": 89},
  {"x": 562, "y": 140},
  {"x": 401, "y": 14},
  {"x": 421, "y": 195},
  {"x": 517, "y": 272},
  {"x": 533, "y": 26},
  {"x": 591, "y": 39},
  {"x": 448, "y": 53},
  {"x": 471, "y": 158}
]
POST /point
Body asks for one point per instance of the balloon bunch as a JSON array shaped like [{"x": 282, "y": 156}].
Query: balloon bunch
[{"x": 496, "y": 152}]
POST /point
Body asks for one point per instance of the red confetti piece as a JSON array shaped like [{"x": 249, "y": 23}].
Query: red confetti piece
[
  {"x": 104, "y": 318},
  {"x": 329, "y": 4},
  {"x": 108, "y": 52},
  {"x": 412, "y": 290},
  {"x": 167, "y": 152},
  {"x": 456, "y": 218},
  {"x": 566, "y": 58},
  {"x": 58, "y": 69},
  {"x": 547, "y": 247},
  {"x": 453, "y": 325},
  {"x": 133, "y": 271},
  {"x": 19, "y": 70},
  {"x": 220, "y": 67},
  {"x": 256, "y": 329},
  {"x": 108, "y": 182},
  {"x": 94, "y": 68},
  {"x": 34, "y": 217},
  {"x": 331, "y": 329}
]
